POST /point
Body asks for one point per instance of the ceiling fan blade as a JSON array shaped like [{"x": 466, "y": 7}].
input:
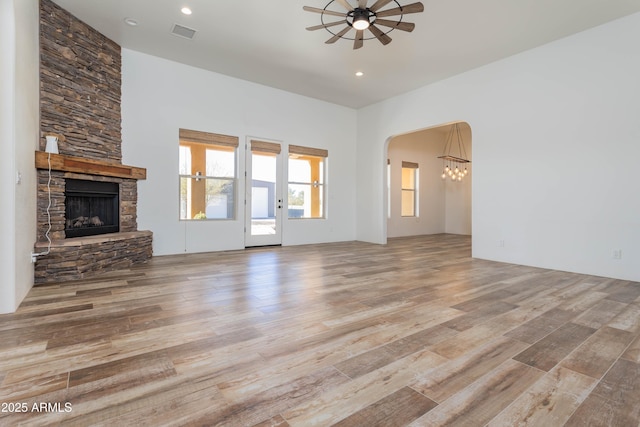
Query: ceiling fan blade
[
  {"x": 362, "y": 4},
  {"x": 384, "y": 39},
  {"x": 337, "y": 37},
  {"x": 403, "y": 10},
  {"x": 404, "y": 26},
  {"x": 321, "y": 26},
  {"x": 379, "y": 4},
  {"x": 345, "y": 4},
  {"x": 358, "y": 41},
  {"x": 326, "y": 12}
]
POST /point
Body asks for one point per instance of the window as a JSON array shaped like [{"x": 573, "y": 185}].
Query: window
[
  {"x": 207, "y": 168},
  {"x": 306, "y": 182},
  {"x": 409, "y": 189}
]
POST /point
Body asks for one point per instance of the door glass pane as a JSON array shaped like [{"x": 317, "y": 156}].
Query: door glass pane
[{"x": 263, "y": 194}]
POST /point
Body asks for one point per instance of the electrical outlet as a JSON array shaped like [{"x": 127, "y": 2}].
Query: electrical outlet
[
  {"x": 616, "y": 254},
  {"x": 501, "y": 243}
]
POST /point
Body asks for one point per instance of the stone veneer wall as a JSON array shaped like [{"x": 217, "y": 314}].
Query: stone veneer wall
[
  {"x": 80, "y": 86},
  {"x": 75, "y": 259},
  {"x": 128, "y": 202},
  {"x": 80, "y": 92}
]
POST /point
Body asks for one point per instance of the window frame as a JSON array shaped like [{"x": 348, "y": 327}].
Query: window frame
[
  {"x": 208, "y": 141},
  {"x": 414, "y": 190},
  {"x": 300, "y": 152}
]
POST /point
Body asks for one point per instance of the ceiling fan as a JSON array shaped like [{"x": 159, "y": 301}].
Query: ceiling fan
[{"x": 361, "y": 18}]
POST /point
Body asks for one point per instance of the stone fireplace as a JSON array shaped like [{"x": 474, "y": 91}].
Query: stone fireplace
[
  {"x": 87, "y": 199},
  {"x": 83, "y": 250}
]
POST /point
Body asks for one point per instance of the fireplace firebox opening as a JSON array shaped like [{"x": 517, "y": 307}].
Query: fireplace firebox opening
[{"x": 91, "y": 208}]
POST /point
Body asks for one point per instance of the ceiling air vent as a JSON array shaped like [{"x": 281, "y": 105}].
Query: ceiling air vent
[{"x": 181, "y": 31}]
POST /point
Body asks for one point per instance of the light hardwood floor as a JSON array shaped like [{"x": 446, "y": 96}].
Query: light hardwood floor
[{"x": 414, "y": 332}]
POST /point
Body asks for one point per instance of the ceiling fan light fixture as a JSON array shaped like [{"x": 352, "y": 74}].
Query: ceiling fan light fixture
[
  {"x": 360, "y": 19},
  {"x": 363, "y": 18}
]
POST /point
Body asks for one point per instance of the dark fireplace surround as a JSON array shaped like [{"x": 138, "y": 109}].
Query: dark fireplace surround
[{"x": 91, "y": 208}]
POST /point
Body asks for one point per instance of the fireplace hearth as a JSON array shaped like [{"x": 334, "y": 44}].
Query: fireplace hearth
[{"x": 91, "y": 208}]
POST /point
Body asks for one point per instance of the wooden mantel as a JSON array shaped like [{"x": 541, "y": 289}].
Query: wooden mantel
[{"x": 60, "y": 162}]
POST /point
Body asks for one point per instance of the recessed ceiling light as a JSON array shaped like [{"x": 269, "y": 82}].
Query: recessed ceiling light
[
  {"x": 130, "y": 21},
  {"x": 359, "y": 74},
  {"x": 186, "y": 11}
]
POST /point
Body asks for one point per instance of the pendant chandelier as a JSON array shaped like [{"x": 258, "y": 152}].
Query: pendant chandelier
[{"x": 454, "y": 158}]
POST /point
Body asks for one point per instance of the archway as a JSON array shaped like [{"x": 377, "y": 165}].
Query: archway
[{"x": 441, "y": 206}]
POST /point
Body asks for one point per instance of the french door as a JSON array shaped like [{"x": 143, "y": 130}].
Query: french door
[{"x": 263, "y": 194}]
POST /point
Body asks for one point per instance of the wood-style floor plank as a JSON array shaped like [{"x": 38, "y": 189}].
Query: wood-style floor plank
[
  {"x": 614, "y": 401},
  {"x": 550, "y": 350},
  {"x": 397, "y": 409},
  {"x": 598, "y": 353},
  {"x": 381, "y": 356},
  {"x": 633, "y": 351},
  {"x": 549, "y": 402},
  {"x": 538, "y": 328},
  {"x": 452, "y": 377},
  {"x": 414, "y": 332},
  {"x": 628, "y": 319},
  {"x": 483, "y": 399},
  {"x": 355, "y": 395}
]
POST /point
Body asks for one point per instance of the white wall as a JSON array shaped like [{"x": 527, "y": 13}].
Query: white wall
[
  {"x": 458, "y": 194},
  {"x": 159, "y": 97},
  {"x": 444, "y": 206},
  {"x": 19, "y": 122},
  {"x": 7, "y": 159},
  {"x": 555, "y": 145}
]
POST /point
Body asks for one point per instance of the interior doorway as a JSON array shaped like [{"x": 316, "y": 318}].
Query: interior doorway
[{"x": 440, "y": 205}]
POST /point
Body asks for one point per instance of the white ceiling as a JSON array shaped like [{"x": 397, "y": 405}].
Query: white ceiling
[{"x": 265, "y": 41}]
